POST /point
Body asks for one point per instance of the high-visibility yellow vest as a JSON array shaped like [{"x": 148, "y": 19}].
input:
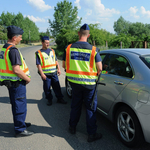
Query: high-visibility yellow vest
[
  {"x": 48, "y": 62},
  {"x": 80, "y": 65},
  {"x": 6, "y": 70}
]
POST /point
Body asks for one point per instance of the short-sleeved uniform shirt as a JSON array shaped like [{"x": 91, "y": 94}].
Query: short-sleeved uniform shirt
[
  {"x": 14, "y": 55},
  {"x": 38, "y": 61},
  {"x": 84, "y": 45}
]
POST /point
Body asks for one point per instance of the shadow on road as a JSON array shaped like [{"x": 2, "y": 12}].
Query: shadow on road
[{"x": 57, "y": 117}]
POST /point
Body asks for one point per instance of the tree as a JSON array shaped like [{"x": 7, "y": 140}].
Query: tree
[
  {"x": 137, "y": 29},
  {"x": 65, "y": 20},
  {"x": 31, "y": 31},
  {"x": 29, "y": 27},
  {"x": 125, "y": 39},
  {"x": 121, "y": 26},
  {"x": 6, "y": 19}
]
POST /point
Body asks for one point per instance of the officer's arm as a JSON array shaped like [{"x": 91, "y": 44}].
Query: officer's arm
[
  {"x": 58, "y": 68},
  {"x": 63, "y": 64},
  {"x": 99, "y": 67},
  {"x": 43, "y": 76},
  {"x": 20, "y": 73}
]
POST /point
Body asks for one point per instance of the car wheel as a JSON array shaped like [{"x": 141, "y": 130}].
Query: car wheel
[
  {"x": 128, "y": 127},
  {"x": 68, "y": 88}
]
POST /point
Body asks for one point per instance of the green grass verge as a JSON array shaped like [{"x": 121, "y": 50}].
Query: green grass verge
[{"x": 23, "y": 45}]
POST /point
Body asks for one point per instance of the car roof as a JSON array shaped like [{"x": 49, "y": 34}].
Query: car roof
[{"x": 138, "y": 51}]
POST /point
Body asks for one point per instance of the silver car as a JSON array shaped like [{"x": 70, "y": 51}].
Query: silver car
[{"x": 124, "y": 98}]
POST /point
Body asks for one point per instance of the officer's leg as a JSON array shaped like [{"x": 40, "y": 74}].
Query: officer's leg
[
  {"x": 56, "y": 87},
  {"x": 47, "y": 88},
  {"x": 19, "y": 106},
  {"x": 90, "y": 113},
  {"x": 76, "y": 106}
]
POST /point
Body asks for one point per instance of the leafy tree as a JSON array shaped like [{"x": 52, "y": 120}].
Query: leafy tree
[
  {"x": 65, "y": 22},
  {"x": 6, "y": 19},
  {"x": 30, "y": 29},
  {"x": 121, "y": 26},
  {"x": 65, "y": 17},
  {"x": 137, "y": 29},
  {"x": 66, "y": 37},
  {"x": 125, "y": 39},
  {"x": 31, "y": 32}
]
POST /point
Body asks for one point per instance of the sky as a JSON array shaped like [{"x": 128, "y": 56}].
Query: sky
[{"x": 105, "y": 12}]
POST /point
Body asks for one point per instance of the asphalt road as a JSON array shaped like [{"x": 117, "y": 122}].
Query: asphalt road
[{"x": 50, "y": 123}]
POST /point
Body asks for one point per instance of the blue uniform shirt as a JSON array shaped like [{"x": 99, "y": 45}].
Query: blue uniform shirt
[
  {"x": 83, "y": 45},
  {"x": 14, "y": 55},
  {"x": 38, "y": 61}
]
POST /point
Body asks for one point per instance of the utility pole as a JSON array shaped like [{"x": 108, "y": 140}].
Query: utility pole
[{"x": 29, "y": 37}]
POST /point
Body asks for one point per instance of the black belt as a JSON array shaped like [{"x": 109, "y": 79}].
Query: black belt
[{"x": 9, "y": 83}]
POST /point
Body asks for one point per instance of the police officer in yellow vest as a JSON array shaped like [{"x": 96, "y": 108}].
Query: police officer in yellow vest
[
  {"x": 48, "y": 68},
  {"x": 83, "y": 64},
  {"x": 15, "y": 74}
]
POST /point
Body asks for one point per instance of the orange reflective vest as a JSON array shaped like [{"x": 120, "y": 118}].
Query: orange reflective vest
[
  {"x": 81, "y": 71},
  {"x": 48, "y": 63},
  {"x": 6, "y": 70}
]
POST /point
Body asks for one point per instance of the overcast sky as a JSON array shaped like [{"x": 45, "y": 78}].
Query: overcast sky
[{"x": 105, "y": 12}]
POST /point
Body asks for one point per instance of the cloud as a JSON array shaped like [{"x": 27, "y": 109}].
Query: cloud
[
  {"x": 77, "y": 3},
  {"x": 144, "y": 12},
  {"x": 100, "y": 10},
  {"x": 133, "y": 11},
  {"x": 89, "y": 12},
  {"x": 39, "y": 4},
  {"x": 36, "y": 19}
]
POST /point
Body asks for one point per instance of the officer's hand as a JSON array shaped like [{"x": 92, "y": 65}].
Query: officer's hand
[
  {"x": 27, "y": 81},
  {"x": 58, "y": 72},
  {"x": 43, "y": 76}
]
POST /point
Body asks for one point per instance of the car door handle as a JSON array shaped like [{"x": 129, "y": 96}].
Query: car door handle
[{"x": 118, "y": 82}]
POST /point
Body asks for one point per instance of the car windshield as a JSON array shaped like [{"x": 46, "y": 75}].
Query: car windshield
[{"x": 146, "y": 60}]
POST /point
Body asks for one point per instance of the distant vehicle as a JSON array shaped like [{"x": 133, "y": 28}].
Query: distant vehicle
[{"x": 125, "y": 99}]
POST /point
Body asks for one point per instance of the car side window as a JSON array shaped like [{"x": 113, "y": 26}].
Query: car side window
[
  {"x": 103, "y": 56},
  {"x": 117, "y": 65}
]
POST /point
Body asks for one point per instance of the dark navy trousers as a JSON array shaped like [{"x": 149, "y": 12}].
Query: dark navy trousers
[
  {"x": 54, "y": 82},
  {"x": 79, "y": 95},
  {"x": 19, "y": 105}
]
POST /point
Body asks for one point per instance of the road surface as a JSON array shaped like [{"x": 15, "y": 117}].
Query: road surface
[{"x": 50, "y": 123}]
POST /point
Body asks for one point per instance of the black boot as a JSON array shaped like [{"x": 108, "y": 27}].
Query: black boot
[
  {"x": 62, "y": 101},
  {"x": 49, "y": 102},
  {"x": 94, "y": 137}
]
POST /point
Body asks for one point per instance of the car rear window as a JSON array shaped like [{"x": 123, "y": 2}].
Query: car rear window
[{"x": 146, "y": 60}]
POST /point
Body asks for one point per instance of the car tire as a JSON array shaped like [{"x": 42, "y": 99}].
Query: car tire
[
  {"x": 128, "y": 127},
  {"x": 68, "y": 88}
]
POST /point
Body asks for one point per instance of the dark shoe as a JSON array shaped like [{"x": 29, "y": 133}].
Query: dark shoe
[
  {"x": 72, "y": 130},
  {"x": 24, "y": 133},
  {"x": 62, "y": 101},
  {"x": 94, "y": 137},
  {"x": 28, "y": 124},
  {"x": 49, "y": 103}
]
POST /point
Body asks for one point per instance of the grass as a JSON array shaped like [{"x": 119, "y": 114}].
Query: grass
[{"x": 23, "y": 45}]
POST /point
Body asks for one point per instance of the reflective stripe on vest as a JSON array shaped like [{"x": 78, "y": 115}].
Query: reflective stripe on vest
[
  {"x": 51, "y": 66},
  {"x": 7, "y": 73},
  {"x": 81, "y": 76}
]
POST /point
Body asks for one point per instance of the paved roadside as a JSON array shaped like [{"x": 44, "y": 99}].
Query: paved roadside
[{"x": 50, "y": 123}]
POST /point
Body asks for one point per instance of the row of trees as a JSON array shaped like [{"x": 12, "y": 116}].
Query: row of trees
[
  {"x": 31, "y": 31},
  {"x": 66, "y": 24}
]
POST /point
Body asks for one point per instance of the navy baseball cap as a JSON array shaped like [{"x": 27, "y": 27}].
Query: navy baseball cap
[
  {"x": 13, "y": 30},
  {"x": 45, "y": 38},
  {"x": 85, "y": 27}
]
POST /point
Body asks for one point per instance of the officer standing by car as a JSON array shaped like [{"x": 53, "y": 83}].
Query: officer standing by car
[
  {"x": 48, "y": 68},
  {"x": 15, "y": 74},
  {"x": 82, "y": 63}
]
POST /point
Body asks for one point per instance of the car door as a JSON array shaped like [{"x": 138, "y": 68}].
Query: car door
[{"x": 116, "y": 74}]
